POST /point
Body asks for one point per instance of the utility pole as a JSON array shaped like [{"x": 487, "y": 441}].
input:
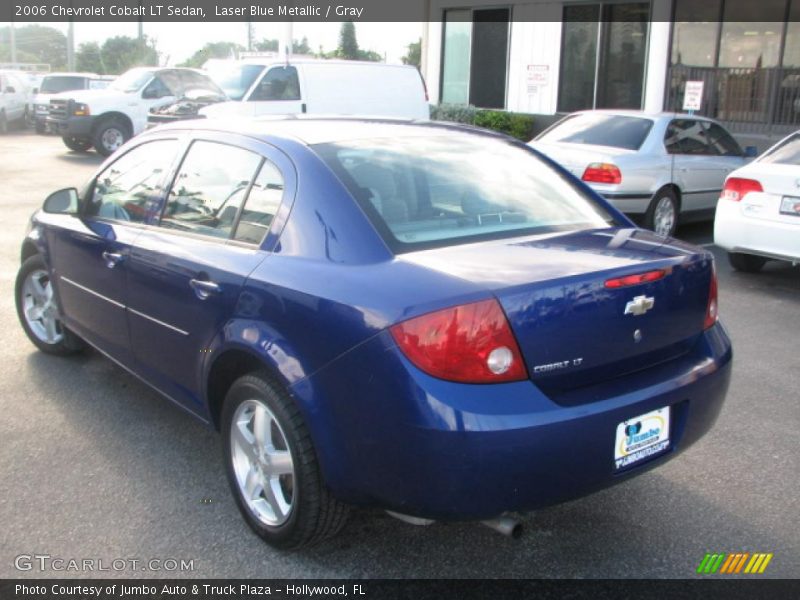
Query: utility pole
[
  {"x": 249, "y": 36},
  {"x": 71, "y": 46},
  {"x": 13, "y": 41}
]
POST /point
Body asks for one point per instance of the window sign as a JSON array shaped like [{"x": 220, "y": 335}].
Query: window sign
[{"x": 693, "y": 95}]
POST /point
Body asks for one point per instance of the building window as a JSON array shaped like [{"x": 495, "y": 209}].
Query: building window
[
  {"x": 747, "y": 54},
  {"x": 603, "y": 51},
  {"x": 475, "y": 57}
]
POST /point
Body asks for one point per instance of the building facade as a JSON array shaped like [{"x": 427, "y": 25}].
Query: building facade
[{"x": 547, "y": 57}]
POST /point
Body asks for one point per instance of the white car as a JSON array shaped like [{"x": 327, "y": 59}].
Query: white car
[
  {"x": 758, "y": 213},
  {"x": 13, "y": 99},
  {"x": 656, "y": 167}
]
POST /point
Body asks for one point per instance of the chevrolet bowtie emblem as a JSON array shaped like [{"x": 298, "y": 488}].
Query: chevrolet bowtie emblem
[{"x": 639, "y": 305}]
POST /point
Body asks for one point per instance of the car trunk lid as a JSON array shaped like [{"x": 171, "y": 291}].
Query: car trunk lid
[{"x": 573, "y": 330}]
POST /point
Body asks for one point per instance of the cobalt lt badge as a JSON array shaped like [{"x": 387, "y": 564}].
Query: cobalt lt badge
[{"x": 639, "y": 305}]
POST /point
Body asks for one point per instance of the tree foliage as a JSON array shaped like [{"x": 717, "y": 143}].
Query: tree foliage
[
  {"x": 120, "y": 53},
  {"x": 348, "y": 48},
  {"x": 298, "y": 47},
  {"x": 89, "y": 59},
  {"x": 414, "y": 54},
  {"x": 35, "y": 44},
  {"x": 213, "y": 50}
]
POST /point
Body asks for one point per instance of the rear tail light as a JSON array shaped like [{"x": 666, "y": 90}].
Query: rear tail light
[
  {"x": 712, "y": 309},
  {"x": 647, "y": 277},
  {"x": 471, "y": 343},
  {"x": 737, "y": 188},
  {"x": 602, "y": 173}
]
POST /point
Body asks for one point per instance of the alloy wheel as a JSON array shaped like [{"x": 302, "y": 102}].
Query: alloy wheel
[
  {"x": 40, "y": 308},
  {"x": 262, "y": 463},
  {"x": 112, "y": 138},
  {"x": 664, "y": 216}
]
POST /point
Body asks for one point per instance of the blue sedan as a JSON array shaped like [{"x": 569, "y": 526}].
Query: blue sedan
[{"x": 431, "y": 319}]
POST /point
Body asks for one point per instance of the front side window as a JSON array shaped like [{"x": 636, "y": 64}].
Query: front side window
[
  {"x": 209, "y": 188},
  {"x": 438, "y": 190},
  {"x": 686, "y": 136},
  {"x": 280, "y": 83},
  {"x": 156, "y": 89},
  {"x": 128, "y": 189}
]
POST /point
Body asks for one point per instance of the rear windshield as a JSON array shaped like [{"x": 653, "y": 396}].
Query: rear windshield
[
  {"x": 441, "y": 190},
  {"x": 785, "y": 153},
  {"x": 54, "y": 85},
  {"x": 600, "y": 130}
]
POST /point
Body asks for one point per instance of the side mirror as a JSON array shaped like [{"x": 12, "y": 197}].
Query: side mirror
[
  {"x": 10, "y": 89},
  {"x": 750, "y": 152},
  {"x": 62, "y": 202}
]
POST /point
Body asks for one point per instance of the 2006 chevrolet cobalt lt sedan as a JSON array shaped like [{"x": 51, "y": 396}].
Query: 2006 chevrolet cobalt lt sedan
[{"x": 421, "y": 317}]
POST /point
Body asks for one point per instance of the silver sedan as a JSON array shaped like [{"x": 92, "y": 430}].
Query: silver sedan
[{"x": 655, "y": 167}]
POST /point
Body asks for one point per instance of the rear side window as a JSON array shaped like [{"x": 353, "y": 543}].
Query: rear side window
[
  {"x": 261, "y": 205},
  {"x": 440, "y": 190},
  {"x": 721, "y": 142},
  {"x": 785, "y": 153},
  {"x": 599, "y": 129},
  {"x": 209, "y": 188},
  {"x": 280, "y": 83},
  {"x": 124, "y": 189},
  {"x": 686, "y": 136}
]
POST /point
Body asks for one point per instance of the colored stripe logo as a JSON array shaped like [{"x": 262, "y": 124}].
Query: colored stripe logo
[{"x": 735, "y": 563}]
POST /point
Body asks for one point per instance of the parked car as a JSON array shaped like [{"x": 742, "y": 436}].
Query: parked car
[
  {"x": 13, "y": 99},
  {"x": 758, "y": 213},
  {"x": 442, "y": 323},
  {"x": 56, "y": 83},
  {"x": 257, "y": 87},
  {"x": 105, "y": 119},
  {"x": 658, "y": 168}
]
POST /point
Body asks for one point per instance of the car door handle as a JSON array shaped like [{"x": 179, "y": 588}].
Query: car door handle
[
  {"x": 204, "y": 288},
  {"x": 112, "y": 259}
]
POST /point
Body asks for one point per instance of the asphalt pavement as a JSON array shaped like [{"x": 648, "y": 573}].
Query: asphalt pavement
[{"x": 94, "y": 465}]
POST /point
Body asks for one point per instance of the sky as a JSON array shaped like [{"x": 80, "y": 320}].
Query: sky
[{"x": 180, "y": 41}]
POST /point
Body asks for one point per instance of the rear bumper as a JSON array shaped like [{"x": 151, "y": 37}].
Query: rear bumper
[
  {"x": 630, "y": 204},
  {"x": 80, "y": 127},
  {"x": 737, "y": 232},
  {"x": 392, "y": 436}
]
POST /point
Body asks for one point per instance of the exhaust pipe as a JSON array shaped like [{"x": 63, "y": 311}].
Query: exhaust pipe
[{"x": 508, "y": 526}]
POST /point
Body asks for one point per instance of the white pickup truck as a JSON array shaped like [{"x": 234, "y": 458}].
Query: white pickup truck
[{"x": 108, "y": 118}]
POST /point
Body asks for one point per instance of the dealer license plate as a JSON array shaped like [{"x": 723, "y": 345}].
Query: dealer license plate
[{"x": 641, "y": 437}]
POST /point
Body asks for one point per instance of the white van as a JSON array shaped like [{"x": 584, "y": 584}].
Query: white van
[{"x": 342, "y": 87}]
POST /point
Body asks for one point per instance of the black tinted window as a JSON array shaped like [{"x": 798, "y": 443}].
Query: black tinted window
[
  {"x": 600, "y": 130},
  {"x": 280, "y": 83},
  {"x": 56, "y": 84},
  {"x": 209, "y": 188},
  {"x": 721, "y": 141},
  {"x": 686, "y": 136},
  {"x": 129, "y": 188},
  {"x": 786, "y": 153}
]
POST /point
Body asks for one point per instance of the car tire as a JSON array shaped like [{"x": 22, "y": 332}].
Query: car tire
[
  {"x": 109, "y": 135},
  {"x": 77, "y": 144},
  {"x": 662, "y": 214},
  {"x": 38, "y": 311},
  {"x": 749, "y": 263},
  {"x": 40, "y": 128},
  {"x": 3, "y": 123},
  {"x": 276, "y": 482}
]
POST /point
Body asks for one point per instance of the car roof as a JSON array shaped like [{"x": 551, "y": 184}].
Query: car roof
[
  {"x": 66, "y": 74},
  {"x": 311, "y": 130}
]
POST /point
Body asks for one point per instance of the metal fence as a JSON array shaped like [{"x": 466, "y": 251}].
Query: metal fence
[{"x": 747, "y": 100}]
